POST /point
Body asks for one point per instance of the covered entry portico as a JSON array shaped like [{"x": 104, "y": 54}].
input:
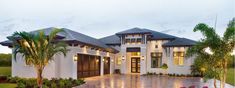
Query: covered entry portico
[{"x": 133, "y": 60}]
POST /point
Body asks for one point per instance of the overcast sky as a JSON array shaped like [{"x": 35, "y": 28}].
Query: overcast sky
[{"x": 100, "y": 18}]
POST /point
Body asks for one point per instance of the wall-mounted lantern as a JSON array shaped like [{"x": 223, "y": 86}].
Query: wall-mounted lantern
[
  {"x": 123, "y": 58},
  {"x": 103, "y": 60},
  {"x": 107, "y": 54},
  {"x": 112, "y": 60},
  {"x": 142, "y": 57},
  {"x": 75, "y": 58}
]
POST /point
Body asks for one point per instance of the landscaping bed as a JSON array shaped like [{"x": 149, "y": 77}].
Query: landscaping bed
[{"x": 53, "y": 83}]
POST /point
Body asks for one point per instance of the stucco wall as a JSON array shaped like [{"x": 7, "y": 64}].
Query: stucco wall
[
  {"x": 184, "y": 69},
  {"x": 167, "y": 57},
  {"x": 151, "y": 48},
  {"x": 20, "y": 69},
  {"x": 62, "y": 66}
]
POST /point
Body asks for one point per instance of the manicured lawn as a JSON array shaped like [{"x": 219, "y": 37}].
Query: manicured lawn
[
  {"x": 5, "y": 71},
  {"x": 7, "y": 85},
  {"x": 230, "y": 76}
]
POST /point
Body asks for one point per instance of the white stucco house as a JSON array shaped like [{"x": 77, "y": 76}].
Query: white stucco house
[{"x": 134, "y": 50}]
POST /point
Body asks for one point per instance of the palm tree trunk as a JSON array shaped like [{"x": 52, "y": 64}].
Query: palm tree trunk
[
  {"x": 39, "y": 77},
  {"x": 224, "y": 73}
]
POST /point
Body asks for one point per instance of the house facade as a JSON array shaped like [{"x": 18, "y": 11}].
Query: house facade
[{"x": 134, "y": 50}]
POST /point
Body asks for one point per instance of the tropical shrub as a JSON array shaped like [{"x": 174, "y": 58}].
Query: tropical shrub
[
  {"x": 53, "y": 83},
  {"x": 164, "y": 66}
]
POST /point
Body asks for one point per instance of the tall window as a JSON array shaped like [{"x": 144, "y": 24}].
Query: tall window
[
  {"x": 156, "y": 60},
  {"x": 119, "y": 60},
  {"x": 179, "y": 58}
]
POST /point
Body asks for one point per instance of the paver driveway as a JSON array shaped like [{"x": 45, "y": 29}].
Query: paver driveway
[{"x": 137, "y": 81}]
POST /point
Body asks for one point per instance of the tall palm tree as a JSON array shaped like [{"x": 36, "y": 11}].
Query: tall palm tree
[
  {"x": 38, "y": 49},
  {"x": 221, "y": 48}
]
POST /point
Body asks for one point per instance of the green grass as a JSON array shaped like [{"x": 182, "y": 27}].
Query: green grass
[
  {"x": 7, "y": 85},
  {"x": 5, "y": 71},
  {"x": 230, "y": 76}
]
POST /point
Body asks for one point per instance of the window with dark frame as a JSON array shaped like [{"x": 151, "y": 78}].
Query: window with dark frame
[
  {"x": 138, "y": 40},
  {"x": 156, "y": 46},
  {"x": 127, "y": 40},
  {"x": 156, "y": 59},
  {"x": 133, "y": 40}
]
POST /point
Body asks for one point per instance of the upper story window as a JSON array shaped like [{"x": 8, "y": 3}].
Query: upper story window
[
  {"x": 128, "y": 41},
  {"x": 178, "y": 58},
  {"x": 139, "y": 40},
  {"x": 156, "y": 46},
  {"x": 133, "y": 41},
  {"x": 156, "y": 60}
]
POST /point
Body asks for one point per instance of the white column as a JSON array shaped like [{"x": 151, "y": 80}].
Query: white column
[
  {"x": 143, "y": 60},
  {"x": 123, "y": 65}
]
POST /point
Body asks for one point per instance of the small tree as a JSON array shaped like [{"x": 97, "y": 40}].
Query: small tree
[
  {"x": 216, "y": 62},
  {"x": 38, "y": 49}
]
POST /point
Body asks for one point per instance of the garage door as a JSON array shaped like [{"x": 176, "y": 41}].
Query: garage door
[
  {"x": 88, "y": 66},
  {"x": 106, "y": 65}
]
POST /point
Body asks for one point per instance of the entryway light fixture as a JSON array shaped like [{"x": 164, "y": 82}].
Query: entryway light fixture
[
  {"x": 75, "y": 58},
  {"x": 123, "y": 58},
  {"x": 142, "y": 57},
  {"x": 112, "y": 60}
]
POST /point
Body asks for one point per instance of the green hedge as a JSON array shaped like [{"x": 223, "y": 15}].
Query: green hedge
[
  {"x": 5, "y": 59},
  {"x": 53, "y": 83}
]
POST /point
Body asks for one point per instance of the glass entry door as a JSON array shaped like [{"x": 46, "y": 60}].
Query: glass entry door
[{"x": 135, "y": 65}]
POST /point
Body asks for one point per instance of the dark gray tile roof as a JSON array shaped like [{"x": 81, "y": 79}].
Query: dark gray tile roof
[
  {"x": 180, "y": 42},
  {"x": 159, "y": 35},
  {"x": 112, "y": 39},
  {"x": 154, "y": 34},
  {"x": 135, "y": 30},
  {"x": 70, "y": 35},
  {"x": 6, "y": 43}
]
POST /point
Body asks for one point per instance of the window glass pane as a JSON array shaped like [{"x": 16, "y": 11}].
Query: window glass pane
[
  {"x": 179, "y": 58},
  {"x": 135, "y": 53},
  {"x": 119, "y": 61},
  {"x": 138, "y": 40},
  {"x": 181, "y": 61},
  {"x": 156, "y": 59},
  {"x": 132, "y": 40}
]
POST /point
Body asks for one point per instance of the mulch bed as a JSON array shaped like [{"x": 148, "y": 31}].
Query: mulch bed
[{"x": 3, "y": 79}]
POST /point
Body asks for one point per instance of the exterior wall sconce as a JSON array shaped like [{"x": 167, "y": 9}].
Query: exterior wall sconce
[
  {"x": 112, "y": 60},
  {"x": 103, "y": 60},
  {"x": 142, "y": 57},
  {"x": 123, "y": 58},
  {"x": 75, "y": 58},
  {"x": 107, "y": 54}
]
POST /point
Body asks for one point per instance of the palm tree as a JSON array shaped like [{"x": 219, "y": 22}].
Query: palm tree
[
  {"x": 216, "y": 62},
  {"x": 38, "y": 49}
]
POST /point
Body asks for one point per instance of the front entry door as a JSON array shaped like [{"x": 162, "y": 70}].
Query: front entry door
[
  {"x": 106, "y": 65},
  {"x": 135, "y": 65}
]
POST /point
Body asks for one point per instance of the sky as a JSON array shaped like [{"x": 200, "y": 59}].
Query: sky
[{"x": 100, "y": 18}]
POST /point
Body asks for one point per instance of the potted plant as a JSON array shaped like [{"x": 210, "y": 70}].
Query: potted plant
[{"x": 164, "y": 67}]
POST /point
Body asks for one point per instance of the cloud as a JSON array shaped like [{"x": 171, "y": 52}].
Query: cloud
[{"x": 98, "y": 18}]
